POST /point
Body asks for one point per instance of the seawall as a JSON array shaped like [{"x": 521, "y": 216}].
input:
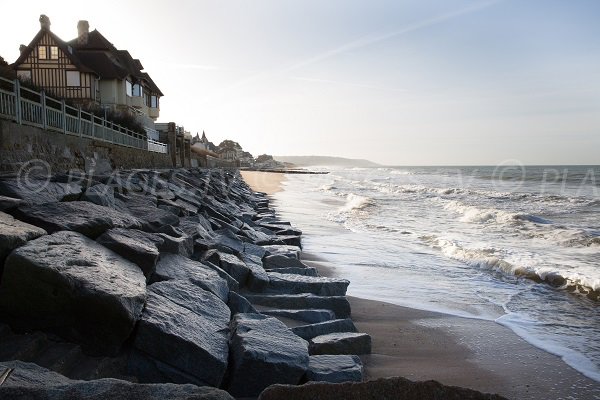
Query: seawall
[{"x": 20, "y": 145}]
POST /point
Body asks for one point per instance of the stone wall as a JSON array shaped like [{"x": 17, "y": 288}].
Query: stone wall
[{"x": 20, "y": 144}]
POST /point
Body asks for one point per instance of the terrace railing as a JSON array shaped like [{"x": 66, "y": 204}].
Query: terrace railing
[{"x": 30, "y": 107}]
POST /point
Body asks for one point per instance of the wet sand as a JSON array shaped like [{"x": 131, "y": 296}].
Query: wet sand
[
  {"x": 267, "y": 182},
  {"x": 478, "y": 354}
]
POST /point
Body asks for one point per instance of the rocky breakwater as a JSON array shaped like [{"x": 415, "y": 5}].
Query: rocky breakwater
[{"x": 177, "y": 278}]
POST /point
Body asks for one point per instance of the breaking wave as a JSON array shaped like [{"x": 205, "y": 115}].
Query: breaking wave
[{"x": 492, "y": 259}]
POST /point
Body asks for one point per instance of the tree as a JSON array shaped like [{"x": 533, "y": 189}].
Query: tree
[{"x": 5, "y": 69}]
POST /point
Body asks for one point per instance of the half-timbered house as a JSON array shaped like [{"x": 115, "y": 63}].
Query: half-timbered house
[{"x": 89, "y": 70}]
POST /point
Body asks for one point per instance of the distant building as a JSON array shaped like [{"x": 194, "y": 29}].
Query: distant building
[
  {"x": 89, "y": 70},
  {"x": 201, "y": 142}
]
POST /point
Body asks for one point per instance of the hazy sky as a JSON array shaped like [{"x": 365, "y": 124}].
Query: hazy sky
[{"x": 404, "y": 82}]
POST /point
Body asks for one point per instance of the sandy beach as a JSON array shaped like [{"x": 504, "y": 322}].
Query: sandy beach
[{"x": 423, "y": 345}]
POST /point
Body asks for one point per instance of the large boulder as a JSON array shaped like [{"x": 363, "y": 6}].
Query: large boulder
[
  {"x": 175, "y": 267},
  {"x": 341, "y": 343},
  {"x": 278, "y": 261},
  {"x": 310, "y": 316},
  {"x": 31, "y": 382},
  {"x": 230, "y": 264},
  {"x": 334, "y": 368},
  {"x": 239, "y": 304},
  {"x": 295, "y": 284},
  {"x": 134, "y": 245},
  {"x": 263, "y": 352},
  {"x": 14, "y": 233},
  {"x": 39, "y": 191},
  {"x": 310, "y": 331},
  {"x": 80, "y": 216},
  {"x": 71, "y": 285},
  {"x": 380, "y": 389},
  {"x": 145, "y": 209},
  {"x": 309, "y": 271},
  {"x": 186, "y": 328},
  {"x": 258, "y": 280},
  {"x": 100, "y": 194},
  {"x": 283, "y": 250},
  {"x": 338, "y": 304},
  {"x": 9, "y": 203}
]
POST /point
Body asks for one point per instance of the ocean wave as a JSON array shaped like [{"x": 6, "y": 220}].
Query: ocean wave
[
  {"x": 480, "y": 215},
  {"x": 356, "y": 202},
  {"x": 494, "y": 259}
]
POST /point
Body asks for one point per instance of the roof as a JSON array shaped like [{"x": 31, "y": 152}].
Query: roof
[
  {"x": 61, "y": 45},
  {"x": 98, "y": 56}
]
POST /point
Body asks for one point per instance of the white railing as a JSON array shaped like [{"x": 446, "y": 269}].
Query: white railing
[{"x": 29, "y": 107}]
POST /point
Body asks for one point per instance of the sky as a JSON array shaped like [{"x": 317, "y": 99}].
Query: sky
[{"x": 398, "y": 82}]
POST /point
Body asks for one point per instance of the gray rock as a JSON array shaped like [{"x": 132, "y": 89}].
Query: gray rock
[
  {"x": 175, "y": 267},
  {"x": 100, "y": 194},
  {"x": 283, "y": 250},
  {"x": 290, "y": 284},
  {"x": 26, "y": 374},
  {"x": 338, "y": 304},
  {"x": 263, "y": 352},
  {"x": 182, "y": 245},
  {"x": 310, "y": 316},
  {"x": 258, "y": 280},
  {"x": 334, "y": 368},
  {"x": 71, "y": 285},
  {"x": 39, "y": 191},
  {"x": 291, "y": 240},
  {"x": 308, "y": 332},
  {"x": 145, "y": 209},
  {"x": 188, "y": 207},
  {"x": 278, "y": 261},
  {"x": 80, "y": 216},
  {"x": 230, "y": 264},
  {"x": 381, "y": 389},
  {"x": 341, "y": 343},
  {"x": 147, "y": 369},
  {"x": 231, "y": 282},
  {"x": 255, "y": 250},
  {"x": 309, "y": 271},
  {"x": 238, "y": 304},
  {"x": 14, "y": 233},
  {"x": 32, "y": 382},
  {"x": 134, "y": 245},
  {"x": 9, "y": 203},
  {"x": 185, "y": 327}
]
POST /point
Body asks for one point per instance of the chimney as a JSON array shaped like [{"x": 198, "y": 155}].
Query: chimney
[
  {"x": 44, "y": 22},
  {"x": 83, "y": 31}
]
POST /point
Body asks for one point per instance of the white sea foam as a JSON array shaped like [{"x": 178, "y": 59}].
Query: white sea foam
[{"x": 356, "y": 202}]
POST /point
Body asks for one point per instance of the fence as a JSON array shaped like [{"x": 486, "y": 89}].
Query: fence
[{"x": 29, "y": 107}]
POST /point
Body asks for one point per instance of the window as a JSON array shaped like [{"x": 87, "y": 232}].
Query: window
[
  {"x": 128, "y": 88},
  {"x": 73, "y": 78},
  {"x": 42, "y": 54},
  {"x": 24, "y": 75},
  {"x": 54, "y": 52},
  {"x": 154, "y": 101},
  {"x": 137, "y": 90}
]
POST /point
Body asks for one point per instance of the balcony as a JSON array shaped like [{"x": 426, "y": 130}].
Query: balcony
[
  {"x": 153, "y": 112},
  {"x": 136, "y": 101}
]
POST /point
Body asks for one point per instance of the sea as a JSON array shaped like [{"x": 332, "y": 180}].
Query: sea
[{"x": 519, "y": 245}]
